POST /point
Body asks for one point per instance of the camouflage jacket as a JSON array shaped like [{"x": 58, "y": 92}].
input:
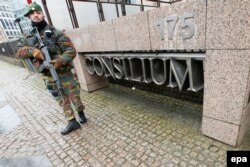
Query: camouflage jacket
[{"x": 61, "y": 47}]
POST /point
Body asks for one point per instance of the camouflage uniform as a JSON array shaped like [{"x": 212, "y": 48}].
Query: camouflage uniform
[{"x": 61, "y": 47}]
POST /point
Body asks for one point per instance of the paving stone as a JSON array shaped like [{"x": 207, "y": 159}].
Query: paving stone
[{"x": 126, "y": 127}]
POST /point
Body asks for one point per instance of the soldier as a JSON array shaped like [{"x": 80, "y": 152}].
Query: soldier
[{"x": 62, "y": 53}]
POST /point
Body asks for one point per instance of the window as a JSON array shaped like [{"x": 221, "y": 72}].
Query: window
[
  {"x": 11, "y": 24},
  {"x": 7, "y": 24},
  {"x": 15, "y": 25},
  {"x": 4, "y": 26},
  {"x": 7, "y": 8}
]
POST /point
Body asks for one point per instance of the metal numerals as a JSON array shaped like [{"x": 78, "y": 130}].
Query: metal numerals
[{"x": 171, "y": 23}]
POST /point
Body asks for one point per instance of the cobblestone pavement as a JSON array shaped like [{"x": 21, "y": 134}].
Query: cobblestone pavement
[{"x": 125, "y": 127}]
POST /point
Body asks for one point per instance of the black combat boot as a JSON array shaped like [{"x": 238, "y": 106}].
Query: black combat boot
[
  {"x": 72, "y": 125},
  {"x": 82, "y": 118}
]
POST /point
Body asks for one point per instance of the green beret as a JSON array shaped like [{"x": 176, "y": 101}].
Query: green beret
[{"x": 32, "y": 7}]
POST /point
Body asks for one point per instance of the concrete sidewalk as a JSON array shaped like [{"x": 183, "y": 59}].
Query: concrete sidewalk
[{"x": 125, "y": 127}]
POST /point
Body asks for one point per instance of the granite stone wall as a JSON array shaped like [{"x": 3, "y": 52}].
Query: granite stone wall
[
  {"x": 221, "y": 29},
  {"x": 226, "y": 93}
]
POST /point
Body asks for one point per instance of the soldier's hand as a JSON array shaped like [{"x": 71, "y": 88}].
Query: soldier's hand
[
  {"x": 37, "y": 54},
  {"x": 57, "y": 63}
]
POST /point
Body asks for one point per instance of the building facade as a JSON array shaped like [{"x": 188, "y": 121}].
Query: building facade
[
  {"x": 7, "y": 21},
  {"x": 18, "y": 9},
  {"x": 3, "y": 36}
]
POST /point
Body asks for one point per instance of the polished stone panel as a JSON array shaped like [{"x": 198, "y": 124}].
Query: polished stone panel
[
  {"x": 81, "y": 39},
  {"x": 33, "y": 161},
  {"x": 228, "y": 24},
  {"x": 87, "y": 82},
  {"x": 155, "y": 35},
  {"x": 245, "y": 119},
  {"x": 226, "y": 78},
  {"x": 191, "y": 13},
  {"x": 219, "y": 130},
  {"x": 94, "y": 86},
  {"x": 132, "y": 32},
  {"x": 102, "y": 35},
  {"x": 245, "y": 122},
  {"x": 226, "y": 108}
]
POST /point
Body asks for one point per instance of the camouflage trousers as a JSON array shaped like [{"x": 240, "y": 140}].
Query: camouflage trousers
[{"x": 71, "y": 90}]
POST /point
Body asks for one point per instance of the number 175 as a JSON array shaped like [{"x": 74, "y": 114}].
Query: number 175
[{"x": 184, "y": 24}]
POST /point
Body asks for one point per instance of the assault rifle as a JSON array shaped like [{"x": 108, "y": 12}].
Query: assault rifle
[{"x": 47, "y": 59}]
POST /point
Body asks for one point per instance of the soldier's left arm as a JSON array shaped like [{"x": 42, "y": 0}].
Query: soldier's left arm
[{"x": 67, "y": 48}]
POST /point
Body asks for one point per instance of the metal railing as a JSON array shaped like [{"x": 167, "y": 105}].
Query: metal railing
[{"x": 120, "y": 6}]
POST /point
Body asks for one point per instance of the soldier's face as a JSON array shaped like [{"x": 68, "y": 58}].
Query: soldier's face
[{"x": 36, "y": 16}]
